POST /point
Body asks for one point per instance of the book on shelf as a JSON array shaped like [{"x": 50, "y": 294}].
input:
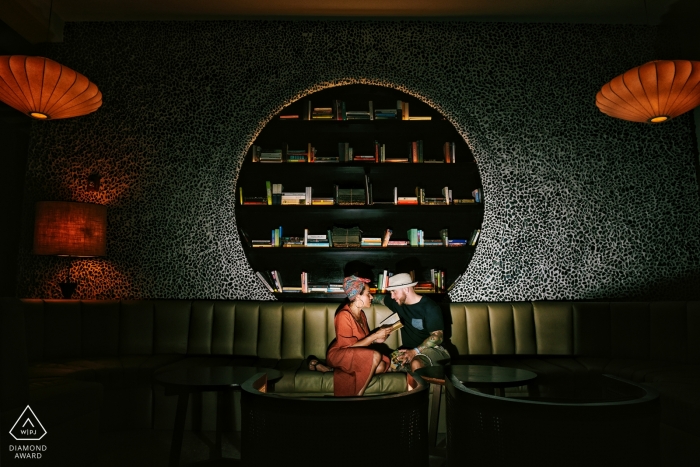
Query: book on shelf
[
  {"x": 474, "y": 237},
  {"x": 261, "y": 243},
  {"x": 339, "y": 111},
  {"x": 292, "y": 289},
  {"x": 386, "y": 237},
  {"x": 477, "y": 195},
  {"x": 444, "y": 237},
  {"x": 358, "y": 115},
  {"x": 420, "y": 194},
  {"x": 433, "y": 242},
  {"x": 268, "y": 189},
  {"x": 318, "y": 288},
  {"x": 396, "y": 160},
  {"x": 277, "y": 190},
  {"x": 276, "y": 237},
  {"x": 368, "y": 191},
  {"x": 255, "y": 151},
  {"x": 394, "y": 243},
  {"x": 349, "y": 196},
  {"x": 305, "y": 282},
  {"x": 405, "y": 200},
  {"x": 463, "y": 201},
  {"x": 289, "y": 117},
  {"x": 431, "y": 201},
  {"x": 363, "y": 158},
  {"x": 416, "y": 151},
  {"x": 322, "y": 113},
  {"x": 345, "y": 152},
  {"x": 290, "y": 242},
  {"x": 402, "y": 109},
  {"x": 424, "y": 287},
  {"x": 415, "y": 237},
  {"x": 448, "y": 152},
  {"x": 457, "y": 242},
  {"x": 383, "y": 281},
  {"x": 297, "y": 155},
  {"x": 346, "y": 237},
  {"x": 420, "y": 118},
  {"x": 437, "y": 277},
  {"x": 306, "y": 115},
  {"x": 385, "y": 114},
  {"x": 326, "y": 159},
  {"x": 322, "y": 201},
  {"x": 275, "y": 155},
  {"x": 371, "y": 242},
  {"x": 277, "y": 280}
]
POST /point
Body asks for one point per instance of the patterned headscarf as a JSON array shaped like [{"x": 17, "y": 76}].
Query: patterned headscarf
[{"x": 353, "y": 286}]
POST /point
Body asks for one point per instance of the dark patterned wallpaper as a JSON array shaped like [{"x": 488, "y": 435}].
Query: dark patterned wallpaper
[{"x": 578, "y": 205}]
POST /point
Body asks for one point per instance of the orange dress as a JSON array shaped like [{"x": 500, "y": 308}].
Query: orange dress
[{"x": 353, "y": 365}]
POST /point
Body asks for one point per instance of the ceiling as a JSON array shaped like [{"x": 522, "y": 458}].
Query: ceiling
[{"x": 30, "y": 18}]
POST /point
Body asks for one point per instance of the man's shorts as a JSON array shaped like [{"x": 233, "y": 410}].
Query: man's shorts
[{"x": 429, "y": 357}]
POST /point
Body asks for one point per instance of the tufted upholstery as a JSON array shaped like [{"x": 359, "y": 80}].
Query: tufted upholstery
[
  {"x": 656, "y": 343},
  {"x": 122, "y": 344}
]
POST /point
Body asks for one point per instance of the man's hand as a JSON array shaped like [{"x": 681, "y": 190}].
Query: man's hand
[{"x": 404, "y": 356}]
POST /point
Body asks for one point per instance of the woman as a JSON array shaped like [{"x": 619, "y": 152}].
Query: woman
[{"x": 353, "y": 363}]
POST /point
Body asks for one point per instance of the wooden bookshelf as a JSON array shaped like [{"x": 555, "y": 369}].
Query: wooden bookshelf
[{"x": 330, "y": 265}]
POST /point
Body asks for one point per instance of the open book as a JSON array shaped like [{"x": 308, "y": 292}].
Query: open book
[{"x": 392, "y": 321}]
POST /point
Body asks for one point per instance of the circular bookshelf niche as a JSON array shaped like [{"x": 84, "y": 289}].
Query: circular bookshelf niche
[{"x": 333, "y": 173}]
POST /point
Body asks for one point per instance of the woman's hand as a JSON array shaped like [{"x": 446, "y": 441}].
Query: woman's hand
[{"x": 381, "y": 335}]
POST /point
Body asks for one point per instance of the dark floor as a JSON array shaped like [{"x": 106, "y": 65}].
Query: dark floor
[{"x": 151, "y": 448}]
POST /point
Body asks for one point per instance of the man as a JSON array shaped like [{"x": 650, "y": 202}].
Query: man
[{"x": 422, "y": 330}]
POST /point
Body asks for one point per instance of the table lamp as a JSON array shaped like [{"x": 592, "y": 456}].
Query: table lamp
[{"x": 64, "y": 228}]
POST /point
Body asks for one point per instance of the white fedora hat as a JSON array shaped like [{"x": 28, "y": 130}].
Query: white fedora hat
[{"x": 399, "y": 281}]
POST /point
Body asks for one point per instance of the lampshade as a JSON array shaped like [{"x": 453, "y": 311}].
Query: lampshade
[
  {"x": 654, "y": 92},
  {"x": 44, "y": 89},
  {"x": 70, "y": 229}
]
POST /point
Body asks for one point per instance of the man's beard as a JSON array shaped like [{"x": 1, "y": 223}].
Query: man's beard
[{"x": 400, "y": 300}]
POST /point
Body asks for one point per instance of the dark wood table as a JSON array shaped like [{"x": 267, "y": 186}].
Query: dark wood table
[
  {"x": 491, "y": 379},
  {"x": 184, "y": 381}
]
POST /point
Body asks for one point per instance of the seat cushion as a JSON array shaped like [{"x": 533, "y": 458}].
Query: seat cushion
[{"x": 313, "y": 382}]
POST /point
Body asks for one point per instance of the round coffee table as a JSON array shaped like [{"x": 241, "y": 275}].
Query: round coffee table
[
  {"x": 493, "y": 379},
  {"x": 184, "y": 381}
]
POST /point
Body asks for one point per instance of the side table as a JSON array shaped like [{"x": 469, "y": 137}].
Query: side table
[
  {"x": 492, "y": 378},
  {"x": 184, "y": 381}
]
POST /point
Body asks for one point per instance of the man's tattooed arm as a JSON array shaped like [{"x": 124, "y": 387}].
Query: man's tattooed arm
[{"x": 433, "y": 340}]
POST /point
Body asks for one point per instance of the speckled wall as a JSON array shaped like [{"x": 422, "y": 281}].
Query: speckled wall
[{"x": 578, "y": 205}]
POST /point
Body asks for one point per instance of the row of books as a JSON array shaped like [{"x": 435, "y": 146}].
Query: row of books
[
  {"x": 347, "y": 238},
  {"x": 272, "y": 280},
  {"x": 351, "y": 197},
  {"x": 338, "y": 111},
  {"x": 347, "y": 154}
]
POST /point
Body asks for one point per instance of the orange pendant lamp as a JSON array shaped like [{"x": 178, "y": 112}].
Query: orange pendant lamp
[
  {"x": 652, "y": 93},
  {"x": 44, "y": 89}
]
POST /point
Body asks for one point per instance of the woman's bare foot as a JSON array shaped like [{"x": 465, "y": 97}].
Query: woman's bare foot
[{"x": 315, "y": 365}]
